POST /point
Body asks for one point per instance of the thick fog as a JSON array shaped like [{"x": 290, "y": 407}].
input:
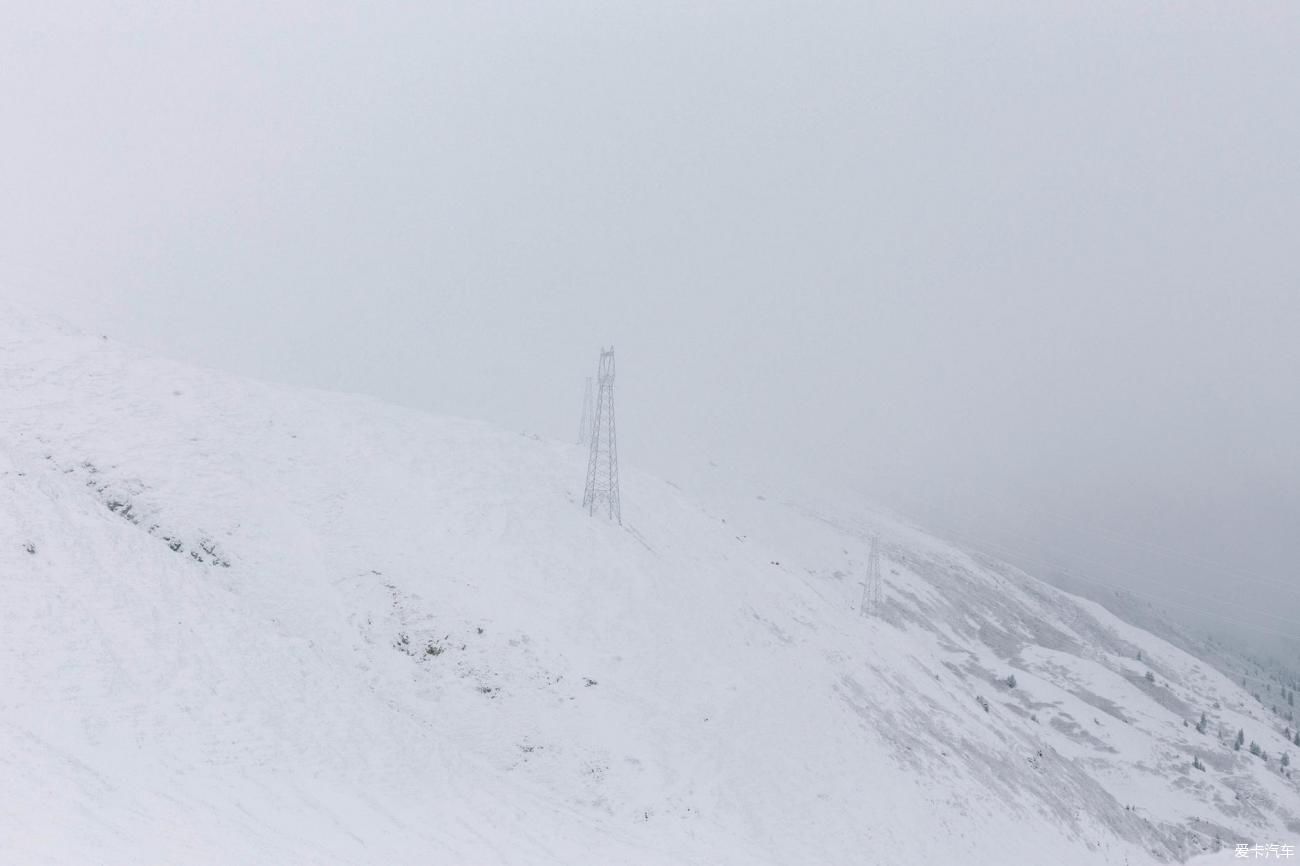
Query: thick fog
[{"x": 1029, "y": 272}]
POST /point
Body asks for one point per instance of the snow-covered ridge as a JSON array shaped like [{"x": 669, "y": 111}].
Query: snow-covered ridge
[{"x": 252, "y": 624}]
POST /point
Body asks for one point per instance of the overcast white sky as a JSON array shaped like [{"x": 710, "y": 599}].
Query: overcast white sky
[{"x": 1027, "y": 269}]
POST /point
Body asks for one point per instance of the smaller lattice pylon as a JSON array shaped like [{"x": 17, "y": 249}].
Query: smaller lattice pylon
[
  {"x": 873, "y": 594},
  {"x": 602, "y": 463}
]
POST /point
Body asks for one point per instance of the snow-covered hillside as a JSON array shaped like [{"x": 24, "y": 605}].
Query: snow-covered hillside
[{"x": 245, "y": 624}]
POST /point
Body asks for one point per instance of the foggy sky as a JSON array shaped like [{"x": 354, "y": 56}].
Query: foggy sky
[{"x": 1028, "y": 271}]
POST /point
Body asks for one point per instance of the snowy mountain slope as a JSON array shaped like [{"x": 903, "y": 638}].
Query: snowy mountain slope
[
  {"x": 248, "y": 624},
  {"x": 1267, "y": 672},
  {"x": 1083, "y": 661}
]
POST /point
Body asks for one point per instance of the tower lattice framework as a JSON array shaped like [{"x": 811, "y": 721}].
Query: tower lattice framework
[
  {"x": 602, "y": 464},
  {"x": 873, "y": 596}
]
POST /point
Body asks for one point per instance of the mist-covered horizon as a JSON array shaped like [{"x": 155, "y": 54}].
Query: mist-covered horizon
[{"x": 1027, "y": 273}]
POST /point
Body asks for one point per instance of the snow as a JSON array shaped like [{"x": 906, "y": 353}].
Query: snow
[{"x": 253, "y": 624}]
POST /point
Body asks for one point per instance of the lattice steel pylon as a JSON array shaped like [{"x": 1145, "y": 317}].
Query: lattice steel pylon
[
  {"x": 873, "y": 595},
  {"x": 602, "y": 465},
  {"x": 584, "y": 423}
]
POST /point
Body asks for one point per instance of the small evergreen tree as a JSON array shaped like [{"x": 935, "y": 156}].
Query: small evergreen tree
[
  {"x": 1200, "y": 726},
  {"x": 1286, "y": 759},
  {"x": 1151, "y": 678},
  {"x": 1240, "y": 741},
  {"x": 1197, "y": 765},
  {"x": 1255, "y": 749},
  {"x": 1011, "y": 681}
]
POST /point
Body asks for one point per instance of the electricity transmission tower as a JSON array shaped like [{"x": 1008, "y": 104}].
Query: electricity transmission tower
[
  {"x": 584, "y": 423},
  {"x": 602, "y": 465},
  {"x": 872, "y": 592}
]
